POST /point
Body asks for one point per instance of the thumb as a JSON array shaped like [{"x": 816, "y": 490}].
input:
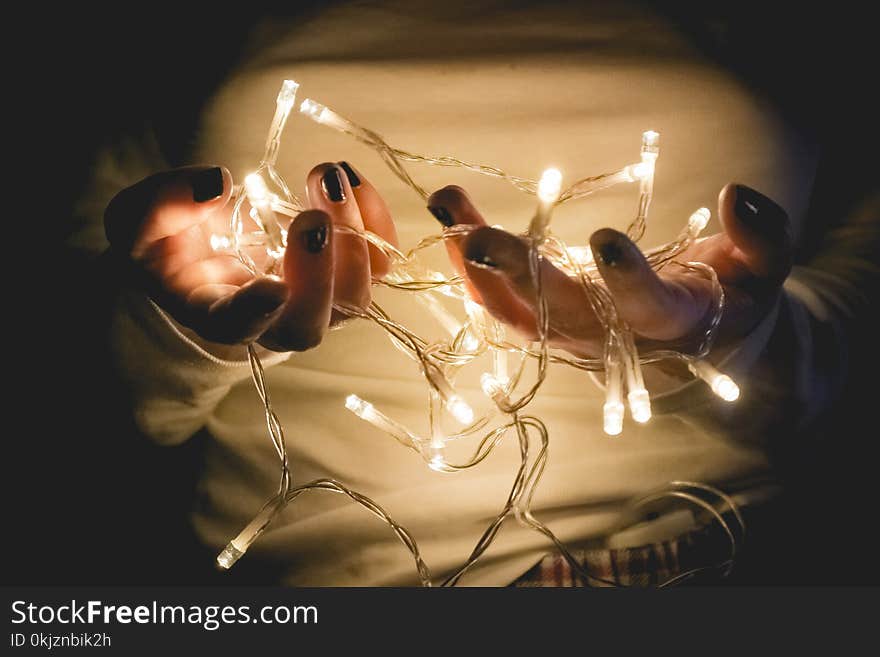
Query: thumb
[{"x": 759, "y": 229}]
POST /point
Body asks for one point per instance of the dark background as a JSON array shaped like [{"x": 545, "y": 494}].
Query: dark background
[{"x": 92, "y": 501}]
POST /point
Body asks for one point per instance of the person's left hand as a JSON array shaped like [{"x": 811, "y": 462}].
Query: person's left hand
[{"x": 752, "y": 258}]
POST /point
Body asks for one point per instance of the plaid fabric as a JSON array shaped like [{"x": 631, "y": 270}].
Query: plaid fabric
[{"x": 646, "y": 565}]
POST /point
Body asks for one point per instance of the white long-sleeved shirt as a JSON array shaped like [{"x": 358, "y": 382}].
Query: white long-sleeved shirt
[{"x": 520, "y": 89}]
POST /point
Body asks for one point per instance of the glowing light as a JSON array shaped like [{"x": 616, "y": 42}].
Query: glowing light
[
  {"x": 698, "y": 221},
  {"x": 724, "y": 387},
  {"x": 582, "y": 255},
  {"x": 229, "y": 556},
  {"x": 460, "y": 410},
  {"x": 470, "y": 343},
  {"x": 437, "y": 463},
  {"x": 550, "y": 185},
  {"x": 359, "y": 407},
  {"x": 257, "y": 192},
  {"x": 219, "y": 242},
  {"x": 287, "y": 94},
  {"x": 323, "y": 115},
  {"x": 721, "y": 384},
  {"x": 612, "y": 413},
  {"x": 549, "y": 188},
  {"x": 639, "y": 405}
]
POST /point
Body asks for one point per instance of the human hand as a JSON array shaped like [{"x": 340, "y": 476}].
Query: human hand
[
  {"x": 752, "y": 258},
  {"x": 160, "y": 228}
]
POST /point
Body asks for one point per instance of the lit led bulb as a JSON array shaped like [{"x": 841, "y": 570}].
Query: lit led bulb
[
  {"x": 582, "y": 255},
  {"x": 612, "y": 411},
  {"x": 470, "y": 343},
  {"x": 493, "y": 388},
  {"x": 639, "y": 405},
  {"x": 698, "y": 221},
  {"x": 639, "y": 171},
  {"x": 323, "y": 115},
  {"x": 650, "y": 143},
  {"x": 287, "y": 94},
  {"x": 460, "y": 410},
  {"x": 549, "y": 188},
  {"x": 721, "y": 384},
  {"x": 367, "y": 412},
  {"x": 283, "y": 104},
  {"x": 612, "y": 415},
  {"x": 261, "y": 201},
  {"x": 220, "y": 242}
]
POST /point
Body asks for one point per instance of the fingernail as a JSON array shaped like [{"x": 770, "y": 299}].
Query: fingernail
[
  {"x": 207, "y": 184},
  {"x": 331, "y": 183},
  {"x": 494, "y": 249},
  {"x": 442, "y": 215},
  {"x": 753, "y": 207},
  {"x": 610, "y": 253},
  {"x": 315, "y": 240},
  {"x": 353, "y": 179},
  {"x": 482, "y": 260}
]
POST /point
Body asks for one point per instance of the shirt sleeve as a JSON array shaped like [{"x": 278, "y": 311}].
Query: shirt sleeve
[{"x": 175, "y": 379}]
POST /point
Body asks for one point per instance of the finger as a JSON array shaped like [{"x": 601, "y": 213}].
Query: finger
[
  {"x": 507, "y": 257},
  {"x": 659, "y": 309},
  {"x": 759, "y": 229},
  {"x": 329, "y": 190},
  {"x": 231, "y": 315},
  {"x": 375, "y": 215},
  {"x": 165, "y": 204},
  {"x": 308, "y": 274},
  {"x": 451, "y": 206}
]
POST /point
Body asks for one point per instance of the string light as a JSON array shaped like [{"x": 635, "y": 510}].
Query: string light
[{"x": 440, "y": 362}]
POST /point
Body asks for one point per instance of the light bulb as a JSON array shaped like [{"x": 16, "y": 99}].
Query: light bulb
[
  {"x": 724, "y": 387},
  {"x": 470, "y": 343},
  {"x": 227, "y": 558},
  {"x": 721, "y": 384},
  {"x": 287, "y": 94},
  {"x": 612, "y": 413},
  {"x": 261, "y": 200},
  {"x": 323, "y": 115},
  {"x": 219, "y": 242},
  {"x": 358, "y": 406},
  {"x": 257, "y": 192},
  {"x": 639, "y": 405},
  {"x": 460, "y": 410},
  {"x": 437, "y": 463},
  {"x": 550, "y": 185},
  {"x": 650, "y": 142},
  {"x": 367, "y": 412},
  {"x": 698, "y": 221},
  {"x": 582, "y": 255}
]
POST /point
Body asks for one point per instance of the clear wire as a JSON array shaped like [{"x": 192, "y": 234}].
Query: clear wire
[{"x": 469, "y": 339}]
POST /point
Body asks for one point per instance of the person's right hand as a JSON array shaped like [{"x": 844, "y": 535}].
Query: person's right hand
[{"x": 160, "y": 228}]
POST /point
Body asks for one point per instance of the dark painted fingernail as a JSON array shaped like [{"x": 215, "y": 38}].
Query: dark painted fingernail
[
  {"x": 353, "y": 179},
  {"x": 315, "y": 240},
  {"x": 754, "y": 208},
  {"x": 207, "y": 184},
  {"x": 610, "y": 253},
  {"x": 331, "y": 183},
  {"x": 441, "y": 214},
  {"x": 476, "y": 253}
]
